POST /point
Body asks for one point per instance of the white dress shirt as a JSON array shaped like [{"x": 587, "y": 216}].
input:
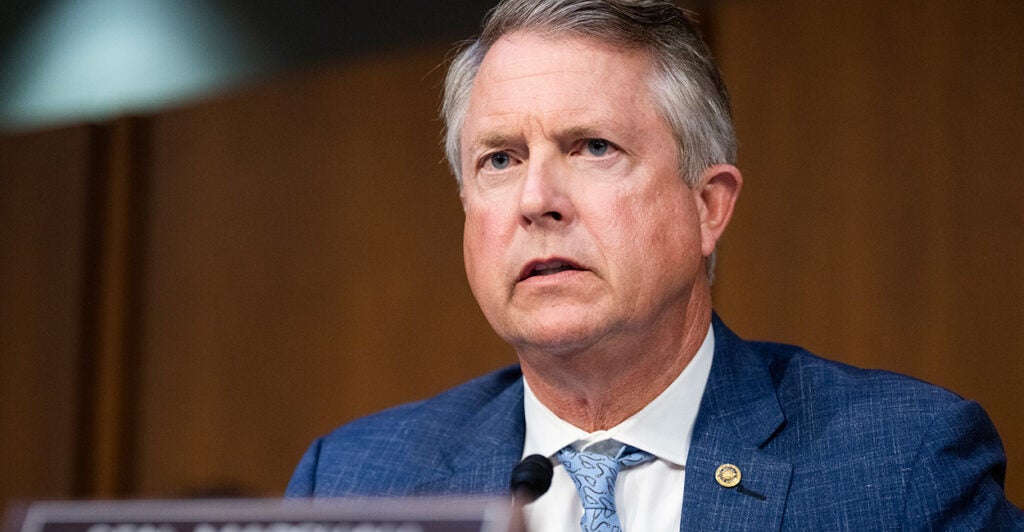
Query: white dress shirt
[{"x": 648, "y": 497}]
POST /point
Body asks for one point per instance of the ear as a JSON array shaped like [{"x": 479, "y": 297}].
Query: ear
[{"x": 716, "y": 196}]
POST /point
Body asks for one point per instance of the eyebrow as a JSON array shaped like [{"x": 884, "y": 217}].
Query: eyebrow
[
  {"x": 496, "y": 140},
  {"x": 582, "y": 132},
  {"x": 493, "y": 141}
]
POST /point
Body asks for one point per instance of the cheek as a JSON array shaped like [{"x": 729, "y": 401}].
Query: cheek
[
  {"x": 668, "y": 233},
  {"x": 470, "y": 246},
  {"x": 479, "y": 240}
]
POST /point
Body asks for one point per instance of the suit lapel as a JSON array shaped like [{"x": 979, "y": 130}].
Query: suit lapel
[
  {"x": 738, "y": 415},
  {"x": 484, "y": 450}
]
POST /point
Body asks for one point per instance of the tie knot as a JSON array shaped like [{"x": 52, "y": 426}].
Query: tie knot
[
  {"x": 630, "y": 456},
  {"x": 594, "y": 472}
]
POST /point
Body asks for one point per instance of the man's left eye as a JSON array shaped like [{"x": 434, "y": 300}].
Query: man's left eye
[{"x": 598, "y": 147}]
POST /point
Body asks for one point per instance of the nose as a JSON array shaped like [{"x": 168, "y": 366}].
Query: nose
[{"x": 544, "y": 199}]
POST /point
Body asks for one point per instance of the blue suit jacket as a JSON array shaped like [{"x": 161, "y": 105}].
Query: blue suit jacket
[{"x": 820, "y": 445}]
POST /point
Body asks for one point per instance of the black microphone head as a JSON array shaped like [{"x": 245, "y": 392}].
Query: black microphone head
[{"x": 531, "y": 478}]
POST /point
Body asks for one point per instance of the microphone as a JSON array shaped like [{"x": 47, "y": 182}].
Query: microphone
[{"x": 530, "y": 479}]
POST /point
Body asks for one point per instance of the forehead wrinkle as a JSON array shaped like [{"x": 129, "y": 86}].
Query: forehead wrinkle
[
  {"x": 581, "y": 120},
  {"x": 550, "y": 71},
  {"x": 514, "y": 67}
]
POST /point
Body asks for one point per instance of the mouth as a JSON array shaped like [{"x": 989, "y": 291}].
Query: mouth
[{"x": 547, "y": 267}]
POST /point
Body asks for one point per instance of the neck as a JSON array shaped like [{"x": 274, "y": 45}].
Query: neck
[{"x": 601, "y": 386}]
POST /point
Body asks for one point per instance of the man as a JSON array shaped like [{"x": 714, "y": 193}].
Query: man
[{"x": 593, "y": 145}]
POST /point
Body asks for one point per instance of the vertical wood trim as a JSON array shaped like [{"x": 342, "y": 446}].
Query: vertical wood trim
[
  {"x": 111, "y": 313},
  {"x": 92, "y": 238}
]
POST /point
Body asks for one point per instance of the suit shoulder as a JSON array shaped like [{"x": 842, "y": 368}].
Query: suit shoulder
[
  {"x": 836, "y": 410},
  {"x": 434, "y": 416},
  {"x": 392, "y": 452},
  {"x": 800, "y": 374},
  {"x": 906, "y": 451},
  {"x": 865, "y": 449}
]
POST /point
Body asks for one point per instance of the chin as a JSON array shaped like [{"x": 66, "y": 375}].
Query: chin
[{"x": 554, "y": 337}]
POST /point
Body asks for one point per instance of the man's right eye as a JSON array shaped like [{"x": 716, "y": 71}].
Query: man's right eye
[{"x": 500, "y": 160}]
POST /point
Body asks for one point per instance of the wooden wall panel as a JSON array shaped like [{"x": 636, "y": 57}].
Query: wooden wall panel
[
  {"x": 43, "y": 196},
  {"x": 880, "y": 223},
  {"x": 305, "y": 268}
]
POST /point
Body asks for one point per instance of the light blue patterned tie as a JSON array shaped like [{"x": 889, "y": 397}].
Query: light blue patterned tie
[{"x": 594, "y": 475}]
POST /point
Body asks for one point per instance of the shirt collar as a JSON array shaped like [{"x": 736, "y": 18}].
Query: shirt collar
[{"x": 663, "y": 428}]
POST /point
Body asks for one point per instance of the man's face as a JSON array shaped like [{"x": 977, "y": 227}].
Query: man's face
[{"x": 580, "y": 231}]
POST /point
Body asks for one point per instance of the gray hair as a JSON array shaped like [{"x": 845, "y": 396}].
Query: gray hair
[{"x": 686, "y": 84}]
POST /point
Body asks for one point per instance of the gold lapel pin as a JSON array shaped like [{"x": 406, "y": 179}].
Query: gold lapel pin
[{"x": 728, "y": 476}]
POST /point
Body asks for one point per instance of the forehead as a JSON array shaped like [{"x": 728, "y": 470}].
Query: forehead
[{"x": 526, "y": 76}]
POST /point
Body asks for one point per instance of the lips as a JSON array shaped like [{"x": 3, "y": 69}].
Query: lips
[{"x": 540, "y": 268}]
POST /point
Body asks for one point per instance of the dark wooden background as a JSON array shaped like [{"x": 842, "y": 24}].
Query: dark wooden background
[{"x": 188, "y": 298}]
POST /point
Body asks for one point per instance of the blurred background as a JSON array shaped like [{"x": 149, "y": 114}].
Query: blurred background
[{"x": 226, "y": 227}]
